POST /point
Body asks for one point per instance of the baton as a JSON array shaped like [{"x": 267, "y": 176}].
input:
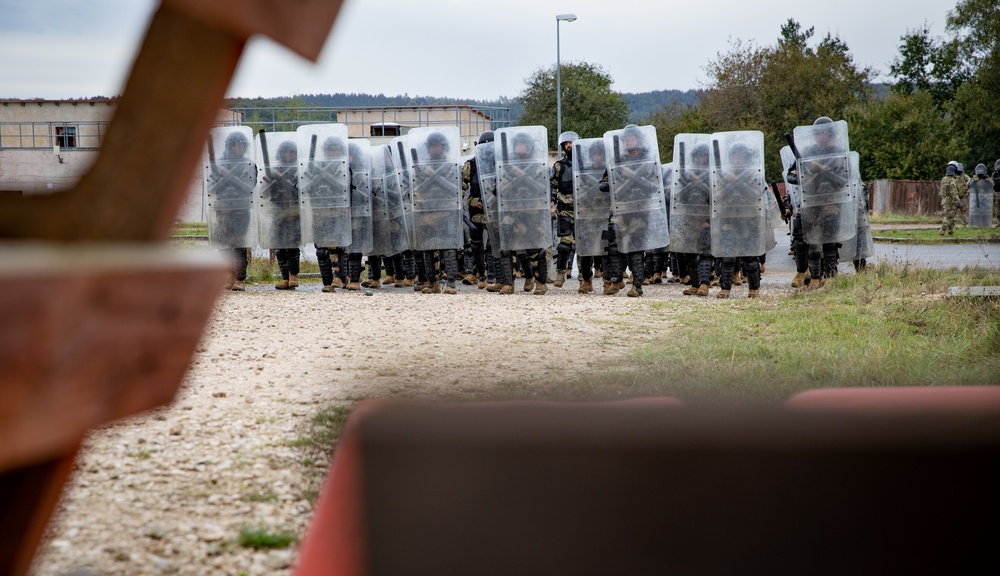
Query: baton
[
  {"x": 402, "y": 155},
  {"x": 503, "y": 145},
  {"x": 715, "y": 150},
  {"x": 791, "y": 144},
  {"x": 211, "y": 151},
  {"x": 682, "y": 160},
  {"x": 616, "y": 148},
  {"x": 312, "y": 148},
  {"x": 263, "y": 148}
]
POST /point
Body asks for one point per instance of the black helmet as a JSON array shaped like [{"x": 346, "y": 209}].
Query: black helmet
[
  {"x": 288, "y": 147},
  {"x": 959, "y": 168},
  {"x": 486, "y": 136},
  {"x": 823, "y": 120},
  {"x": 980, "y": 169},
  {"x": 333, "y": 146},
  {"x": 523, "y": 138},
  {"x": 951, "y": 169},
  {"x": 438, "y": 139},
  {"x": 597, "y": 147}
]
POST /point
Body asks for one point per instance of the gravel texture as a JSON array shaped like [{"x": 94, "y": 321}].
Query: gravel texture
[{"x": 168, "y": 492}]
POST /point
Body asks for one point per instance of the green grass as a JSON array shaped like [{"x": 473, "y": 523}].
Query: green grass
[
  {"x": 191, "y": 229},
  {"x": 260, "y": 497},
  {"x": 891, "y": 218},
  {"x": 260, "y": 538},
  {"x": 961, "y": 232},
  {"x": 888, "y": 326}
]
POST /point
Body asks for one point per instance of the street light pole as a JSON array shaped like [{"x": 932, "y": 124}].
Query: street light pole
[{"x": 560, "y": 18}]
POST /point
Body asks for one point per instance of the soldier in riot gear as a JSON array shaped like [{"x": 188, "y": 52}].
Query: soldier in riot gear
[
  {"x": 981, "y": 199},
  {"x": 437, "y": 206},
  {"x": 562, "y": 198},
  {"x": 326, "y": 201},
  {"x": 281, "y": 226},
  {"x": 524, "y": 203},
  {"x": 690, "y": 221},
  {"x": 477, "y": 214},
  {"x": 229, "y": 187},
  {"x": 362, "y": 239},
  {"x": 951, "y": 192}
]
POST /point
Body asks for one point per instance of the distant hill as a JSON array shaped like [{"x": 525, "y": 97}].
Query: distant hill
[{"x": 642, "y": 104}]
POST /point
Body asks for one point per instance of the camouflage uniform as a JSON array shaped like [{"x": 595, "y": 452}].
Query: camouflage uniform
[
  {"x": 477, "y": 214},
  {"x": 562, "y": 198},
  {"x": 951, "y": 201}
]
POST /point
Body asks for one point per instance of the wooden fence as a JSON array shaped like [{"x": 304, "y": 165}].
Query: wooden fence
[{"x": 905, "y": 197}]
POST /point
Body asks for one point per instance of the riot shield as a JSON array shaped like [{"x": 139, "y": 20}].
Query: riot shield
[
  {"x": 486, "y": 171},
  {"x": 738, "y": 194},
  {"x": 401, "y": 152},
  {"x": 981, "y": 203},
  {"x": 359, "y": 160},
  {"x": 638, "y": 208},
  {"x": 691, "y": 195},
  {"x": 523, "y": 203},
  {"x": 381, "y": 243},
  {"x": 792, "y": 190},
  {"x": 398, "y": 241},
  {"x": 591, "y": 207},
  {"x": 325, "y": 185},
  {"x": 828, "y": 210},
  {"x": 437, "y": 188},
  {"x": 861, "y": 245},
  {"x": 278, "y": 190},
  {"x": 229, "y": 179}
]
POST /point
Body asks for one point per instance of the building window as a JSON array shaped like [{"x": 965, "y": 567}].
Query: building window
[
  {"x": 66, "y": 136},
  {"x": 386, "y": 129}
]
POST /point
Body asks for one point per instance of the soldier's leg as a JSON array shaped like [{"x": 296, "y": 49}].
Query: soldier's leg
[
  {"x": 419, "y": 271},
  {"x": 491, "y": 268},
  {"x": 241, "y": 258},
  {"x": 586, "y": 264},
  {"x": 293, "y": 268},
  {"x": 689, "y": 273},
  {"x": 527, "y": 270},
  {"x": 430, "y": 269},
  {"x": 541, "y": 271},
  {"x": 647, "y": 268},
  {"x": 325, "y": 268},
  {"x": 505, "y": 273},
  {"x": 563, "y": 262},
  {"x": 815, "y": 279},
  {"x": 751, "y": 268},
  {"x": 374, "y": 279},
  {"x": 354, "y": 271},
  {"x": 389, "y": 263},
  {"x": 831, "y": 254},
  {"x": 572, "y": 258},
  {"x": 281, "y": 255},
  {"x": 450, "y": 262},
  {"x": 636, "y": 261},
  {"x": 726, "y": 269},
  {"x": 801, "y": 251},
  {"x": 478, "y": 260}
]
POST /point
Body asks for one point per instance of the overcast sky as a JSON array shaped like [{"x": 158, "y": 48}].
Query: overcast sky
[{"x": 57, "y": 49}]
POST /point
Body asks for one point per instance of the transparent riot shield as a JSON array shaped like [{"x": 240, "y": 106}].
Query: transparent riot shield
[
  {"x": 591, "y": 206},
  {"x": 691, "y": 195},
  {"x": 523, "y": 188},
  {"x": 739, "y": 219},
  {"x": 325, "y": 185},
  {"x": 401, "y": 152},
  {"x": 486, "y": 171},
  {"x": 381, "y": 243},
  {"x": 828, "y": 206},
  {"x": 981, "y": 203},
  {"x": 398, "y": 241},
  {"x": 230, "y": 175},
  {"x": 861, "y": 245},
  {"x": 278, "y": 190},
  {"x": 792, "y": 190},
  {"x": 638, "y": 208},
  {"x": 437, "y": 188},
  {"x": 362, "y": 233}
]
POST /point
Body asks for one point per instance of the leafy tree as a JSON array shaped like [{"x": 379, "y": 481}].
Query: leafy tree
[
  {"x": 675, "y": 119},
  {"x": 976, "y": 27},
  {"x": 903, "y": 137},
  {"x": 589, "y": 106},
  {"x": 929, "y": 64}
]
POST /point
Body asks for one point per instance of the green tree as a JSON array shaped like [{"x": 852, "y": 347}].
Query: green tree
[
  {"x": 929, "y": 64},
  {"x": 589, "y": 106},
  {"x": 675, "y": 119},
  {"x": 903, "y": 137},
  {"x": 975, "y": 25}
]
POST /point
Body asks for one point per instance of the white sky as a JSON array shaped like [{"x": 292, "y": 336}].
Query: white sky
[{"x": 57, "y": 49}]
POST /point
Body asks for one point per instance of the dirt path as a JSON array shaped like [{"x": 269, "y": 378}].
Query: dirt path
[{"x": 169, "y": 492}]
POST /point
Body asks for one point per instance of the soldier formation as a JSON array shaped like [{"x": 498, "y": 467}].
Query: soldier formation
[
  {"x": 415, "y": 210},
  {"x": 956, "y": 186}
]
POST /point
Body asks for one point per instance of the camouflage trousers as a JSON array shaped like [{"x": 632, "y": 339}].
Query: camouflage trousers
[{"x": 951, "y": 215}]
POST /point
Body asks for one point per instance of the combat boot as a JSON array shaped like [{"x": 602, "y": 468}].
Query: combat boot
[
  {"x": 762, "y": 268},
  {"x": 506, "y": 289},
  {"x": 432, "y": 288},
  {"x": 366, "y": 283},
  {"x": 469, "y": 279},
  {"x": 598, "y": 273},
  {"x": 610, "y": 288},
  {"x": 390, "y": 279},
  {"x": 375, "y": 284},
  {"x": 690, "y": 291},
  {"x": 328, "y": 288},
  {"x": 230, "y": 280},
  {"x": 657, "y": 278},
  {"x": 293, "y": 281},
  {"x": 353, "y": 286},
  {"x": 754, "y": 293},
  {"x": 586, "y": 287},
  {"x": 703, "y": 291},
  {"x": 737, "y": 278},
  {"x": 337, "y": 282},
  {"x": 450, "y": 288},
  {"x": 481, "y": 284},
  {"x": 540, "y": 288},
  {"x": 722, "y": 294},
  {"x": 494, "y": 287},
  {"x": 560, "y": 278},
  {"x": 800, "y": 279},
  {"x": 635, "y": 292},
  {"x": 407, "y": 282},
  {"x": 619, "y": 285},
  {"x": 281, "y": 284},
  {"x": 238, "y": 286},
  {"x": 529, "y": 284},
  {"x": 419, "y": 286}
]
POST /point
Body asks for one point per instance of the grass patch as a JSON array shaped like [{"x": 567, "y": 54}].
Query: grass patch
[
  {"x": 890, "y": 218},
  {"x": 887, "y": 327},
  {"x": 932, "y": 236},
  {"x": 260, "y": 538},
  {"x": 259, "y": 497},
  {"x": 190, "y": 229}
]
